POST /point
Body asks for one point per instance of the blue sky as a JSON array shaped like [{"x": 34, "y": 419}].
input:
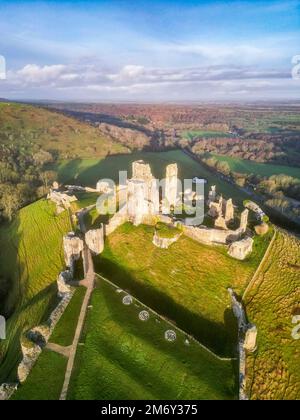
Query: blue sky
[{"x": 150, "y": 50}]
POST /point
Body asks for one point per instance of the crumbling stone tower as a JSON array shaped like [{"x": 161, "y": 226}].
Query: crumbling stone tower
[
  {"x": 244, "y": 220},
  {"x": 171, "y": 192},
  {"x": 229, "y": 210},
  {"x": 142, "y": 193}
]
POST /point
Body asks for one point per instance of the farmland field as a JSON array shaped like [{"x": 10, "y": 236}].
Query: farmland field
[
  {"x": 193, "y": 134},
  {"x": 31, "y": 259},
  {"x": 123, "y": 359},
  {"x": 271, "y": 304},
  {"x": 252, "y": 167},
  {"x": 187, "y": 282}
]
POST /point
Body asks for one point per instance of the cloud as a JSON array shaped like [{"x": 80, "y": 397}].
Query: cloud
[
  {"x": 32, "y": 73},
  {"x": 134, "y": 80}
]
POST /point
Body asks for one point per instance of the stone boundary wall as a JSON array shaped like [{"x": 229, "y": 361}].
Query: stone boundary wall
[
  {"x": 212, "y": 236},
  {"x": 244, "y": 328},
  {"x": 39, "y": 337}
]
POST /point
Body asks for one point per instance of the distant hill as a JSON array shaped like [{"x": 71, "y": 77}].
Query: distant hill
[{"x": 66, "y": 137}]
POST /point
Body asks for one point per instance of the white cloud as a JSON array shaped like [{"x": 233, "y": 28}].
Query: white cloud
[
  {"x": 32, "y": 73},
  {"x": 135, "y": 80}
]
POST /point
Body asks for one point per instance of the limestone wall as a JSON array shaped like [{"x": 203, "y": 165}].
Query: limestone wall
[
  {"x": 117, "y": 220},
  {"x": 73, "y": 246},
  {"x": 164, "y": 243},
  {"x": 247, "y": 341},
  {"x": 39, "y": 337},
  {"x": 210, "y": 236},
  {"x": 241, "y": 249},
  {"x": 94, "y": 239}
]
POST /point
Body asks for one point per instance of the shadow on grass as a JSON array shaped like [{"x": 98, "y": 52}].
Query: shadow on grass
[
  {"x": 198, "y": 363},
  {"x": 219, "y": 337}
]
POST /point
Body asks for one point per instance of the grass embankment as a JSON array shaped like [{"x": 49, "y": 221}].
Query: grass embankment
[
  {"x": 187, "y": 282},
  {"x": 274, "y": 370},
  {"x": 252, "y": 167},
  {"x": 125, "y": 358},
  {"x": 45, "y": 380},
  {"x": 31, "y": 259}
]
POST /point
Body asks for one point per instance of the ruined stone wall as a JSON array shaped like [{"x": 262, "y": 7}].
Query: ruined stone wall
[
  {"x": 141, "y": 171},
  {"x": 210, "y": 236},
  {"x": 38, "y": 335},
  {"x": 73, "y": 246},
  {"x": 94, "y": 239},
  {"x": 116, "y": 221},
  {"x": 171, "y": 187},
  {"x": 164, "y": 243}
]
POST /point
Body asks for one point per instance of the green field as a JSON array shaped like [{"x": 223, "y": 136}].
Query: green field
[
  {"x": 207, "y": 134},
  {"x": 31, "y": 259},
  {"x": 125, "y": 358},
  {"x": 88, "y": 171},
  {"x": 187, "y": 282},
  {"x": 251, "y": 167},
  {"x": 45, "y": 380},
  {"x": 274, "y": 370}
]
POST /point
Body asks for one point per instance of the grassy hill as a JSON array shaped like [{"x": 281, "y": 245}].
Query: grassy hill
[
  {"x": 30, "y": 260},
  {"x": 53, "y": 131},
  {"x": 274, "y": 370},
  {"x": 186, "y": 283},
  {"x": 126, "y": 358}
]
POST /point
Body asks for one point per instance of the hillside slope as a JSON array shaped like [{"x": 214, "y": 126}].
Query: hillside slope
[
  {"x": 272, "y": 302},
  {"x": 31, "y": 259},
  {"x": 53, "y": 131}
]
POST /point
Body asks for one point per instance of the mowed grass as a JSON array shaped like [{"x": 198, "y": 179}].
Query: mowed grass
[
  {"x": 64, "y": 331},
  {"x": 31, "y": 259},
  {"x": 252, "y": 167},
  {"x": 45, "y": 380},
  {"x": 88, "y": 171},
  {"x": 274, "y": 370},
  {"x": 187, "y": 282},
  {"x": 125, "y": 358}
]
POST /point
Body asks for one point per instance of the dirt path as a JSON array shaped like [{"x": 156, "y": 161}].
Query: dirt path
[
  {"x": 64, "y": 351},
  {"x": 88, "y": 282},
  {"x": 89, "y": 279}
]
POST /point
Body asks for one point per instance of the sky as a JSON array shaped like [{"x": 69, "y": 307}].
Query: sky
[{"x": 149, "y": 51}]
